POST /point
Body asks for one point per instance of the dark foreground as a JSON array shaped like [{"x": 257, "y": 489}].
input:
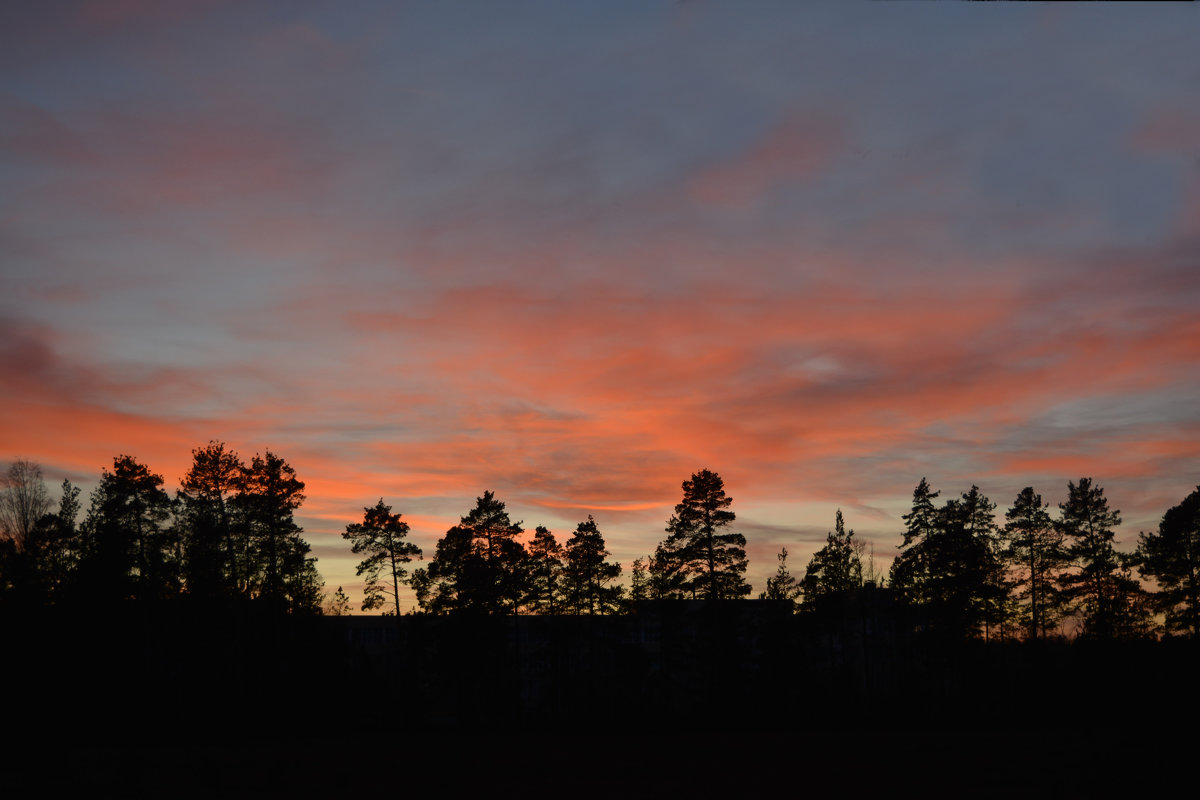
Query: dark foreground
[{"x": 681, "y": 699}]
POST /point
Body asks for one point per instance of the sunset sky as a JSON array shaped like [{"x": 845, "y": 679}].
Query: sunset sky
[{"x": 573, "y": 252}]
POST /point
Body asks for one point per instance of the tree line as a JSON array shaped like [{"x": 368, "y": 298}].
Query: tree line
[
  {"x": 229, "y": 532},
  {"x": 482, "y": 566},
  {"x": 963, "y": 574}
]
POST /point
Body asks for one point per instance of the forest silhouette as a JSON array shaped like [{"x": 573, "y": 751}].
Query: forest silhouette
[{"x": 183, "y": 612}]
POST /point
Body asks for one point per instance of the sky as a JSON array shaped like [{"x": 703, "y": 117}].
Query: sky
[{"x": 574, "y": 252}]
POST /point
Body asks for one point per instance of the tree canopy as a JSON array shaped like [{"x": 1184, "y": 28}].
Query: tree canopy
[
  {"x": 1034, "y": 549},
  {"x": 217, "y": 562},
  {"x": 782, "y": 585},
  {"x": 1087, "y": 527},
  {"x": 587, "y": 574},
  {"x": 545, "y": 573},
  {"x": 1171, "y": 555},
  {"x": 834, "y": 568},
  {"x": 948, "y": 569},
  {"x": 382, "y": 538},
  {"x": 478, "y": 566},
  {"x": 699, "y": 557},
  {"x": 130, "y": 550},
  {"x": 230, "y": 533}
]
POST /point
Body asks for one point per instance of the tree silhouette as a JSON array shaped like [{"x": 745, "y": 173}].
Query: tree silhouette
[
  {"x": 54, "y": 548},
  {"x": 129, "y": 549},
  {"x": 948, "y": 567},
  {"x": 270, "y": 494},
  {"x": 381, "y": 536},
  {"x": 639, "y": 581},
  {"x": 972, "y": 584},
  {"x": 835, "y": 568},
  {"x": 712, "y": 562},
  {"x": 667, "y": 569},
  {"x": 1172, "y": 557},
  {"x": 23, "y": 501},
  {"x": 910, "y": 575},
  {"x": 339, "y": 606},
  {"x": 1132, "y": 606},
  {"x": 545, "y": 573},
  {"x": 782, "y": 585},
  {"x": 586, "y": 574},
  {"x": 214, "y": 564},
  {"x": 303, "y": 585},
  {"x": 426, "y": 590},
  {"x": 478, "y": 566},
  {"x": 1035, "y": 549},
  {"x": 1087, "y": 525}
]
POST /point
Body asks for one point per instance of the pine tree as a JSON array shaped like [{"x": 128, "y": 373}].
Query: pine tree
[
  {"x": 426, "y": 590},
  {"x": 973, "y": 584},
  {"x": 280, "y": 570},
  {"x": 711, "y": 563},
  {"x": 835, "y": 568},
  {"x": 1087, "y": 526},
  {"x": 58, "y": 544},
  {"x": 910, "y": 573},
  {"x": 781, "y": 585},
  {"x": 1172, "y": 557},
  {"x": 1034, "y": 548},
  {"x": 545, "y": 573},
  {"x": 305, "y": 588},
  {"x": 206, "y": 494},
  {"x": 1133, "y": 606},
  {"x": 948, "y": 567},
  {"x": 479, "y": 566},
  {"x": 130, "y": 550},
  {"x": 667, "y": 571},
  {"x": 52, "y": 549},
  {"x": 587, "y": 575},
  {"x": 381, "y": 537},
  {"x": 639, "y": 582},
  {"x": 270, "y": 493}
]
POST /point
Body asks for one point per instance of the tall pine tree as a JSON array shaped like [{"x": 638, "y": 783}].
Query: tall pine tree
[
  {"x": 479, "y": 565},
  {"x": 129, "y": 547},
  {"x": 969, "y": 586},
  {"x": 948, "y": 570},
  {"x": 1034, "y": 551},
  {"x": 710, "y": 561},
  {"x": 910, "y": 573},
  {"x": 545, "y": 568},
  {"x": 206, "y": 493},
  {"x": 1172, "y": 557},
  {"x": 281, "y": 571},
  {"x": 382, "y": 538},
  {"x": 588, "y": 578},
  {"x": 1091, "y": 586}
]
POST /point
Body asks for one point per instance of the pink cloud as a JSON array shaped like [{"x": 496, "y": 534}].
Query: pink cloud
[{"x": 656, "y": 386}]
